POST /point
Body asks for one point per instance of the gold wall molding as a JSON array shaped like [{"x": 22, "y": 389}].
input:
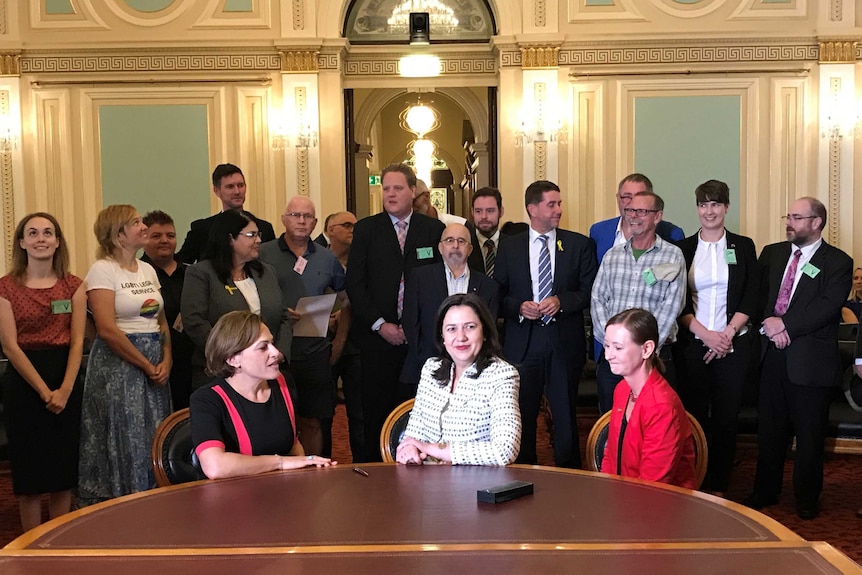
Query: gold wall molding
[
  {"x": 646, "y": 52},
  {"x": 299, "y": 61},
  {"x": 152, "y": 60},
  {"x": 7, "y": 188},
  {"x": 10, "y": 64},
  {"x": 533, "y": 57},
  {"x": 298, "y": 14},
  {"x": 540, "y": 9},
  {"x": 837, "y": 51},
  {"x": 4, "y": 25},
  {"x": 388, "y": 65}
]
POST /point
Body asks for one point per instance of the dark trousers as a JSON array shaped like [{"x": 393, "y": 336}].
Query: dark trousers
[
  {"x": 712, "y": 393},
  {"x": 547, "y": 369},
  {"x": 606, "y": 380},
  {"x": 348, "y": 368},
  {"x": 380, "y": 372},
  {"x": 786, "y": 408}
]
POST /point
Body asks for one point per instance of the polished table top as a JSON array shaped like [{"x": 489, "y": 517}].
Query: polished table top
[{"x": 401, "y": 517}]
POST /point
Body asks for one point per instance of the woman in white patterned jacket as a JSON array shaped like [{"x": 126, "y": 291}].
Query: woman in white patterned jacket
[{"x": 466, "y": 410}]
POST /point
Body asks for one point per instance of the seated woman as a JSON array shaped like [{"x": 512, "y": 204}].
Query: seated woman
[
  {"x": 649, "y": 435},
  {"x": 466, "y": 409},
  {"x": 243, "y": 420},
  {"x": 852, "y": 309}
]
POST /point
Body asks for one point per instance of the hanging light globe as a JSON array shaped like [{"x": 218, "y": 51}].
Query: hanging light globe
[{"x": 421, "y": 119}]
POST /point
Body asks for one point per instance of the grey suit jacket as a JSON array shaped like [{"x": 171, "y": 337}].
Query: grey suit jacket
[{"x": 205, "y": 299}]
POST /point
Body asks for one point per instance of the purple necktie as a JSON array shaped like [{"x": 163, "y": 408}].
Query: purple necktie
[
  {"x": 401, "y": 232},
  {"x": 783, "y": 301}
]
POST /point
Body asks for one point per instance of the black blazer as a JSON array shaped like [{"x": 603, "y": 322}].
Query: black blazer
[
  {"x": 424, "y": 291},
  {"x": 375, "y": 268},
  {"x": 199, "y": 233},
  {"x": 476, "y": 260},
  {"x": 814, "y": 313},
  {"x": 574, "y": 272},
  {"x": 743, "y": 281}
]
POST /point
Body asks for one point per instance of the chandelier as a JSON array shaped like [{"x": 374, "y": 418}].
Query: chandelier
[{"x": 441, "y": 17}]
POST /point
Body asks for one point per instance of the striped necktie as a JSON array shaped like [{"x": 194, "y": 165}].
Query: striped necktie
[
  {"x": 401, "y": 232},
  {"x": 490, "y": 258},
  {"x": 546, "y": 278}
]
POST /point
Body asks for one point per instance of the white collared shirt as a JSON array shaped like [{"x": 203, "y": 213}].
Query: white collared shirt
[
  {"x": 619, "y": 236},
  {"x": 457, "y": 285},
  {"x": 807, "y": 252},
  {"x": 535, "y": 250},
  {"x": 707, "y": 279}
]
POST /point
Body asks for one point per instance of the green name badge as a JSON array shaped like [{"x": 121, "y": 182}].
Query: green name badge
[
  {"x": 730, "y": 256},
  {"x": 810, "y": 270},
  {"x": 61, "y": 306},
  {"x": 648, "y": 276},
  {"x": 424, "y": 253}
]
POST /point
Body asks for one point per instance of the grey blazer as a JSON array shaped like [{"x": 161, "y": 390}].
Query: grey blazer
[{"x": 205, "y": 299}]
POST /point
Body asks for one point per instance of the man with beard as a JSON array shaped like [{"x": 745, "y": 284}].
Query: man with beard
[
  {"x": 486, "y": 236},
  {"x": 426, "y": 289},
  {"x": 644, "y": 272},
  {"x": 804, "y": 284}
]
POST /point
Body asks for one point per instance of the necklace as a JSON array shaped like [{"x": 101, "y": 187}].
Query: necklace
[{"x": 632, "y": 396}]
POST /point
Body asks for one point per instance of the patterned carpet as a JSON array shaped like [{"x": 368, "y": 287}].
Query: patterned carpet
[{"x": 837, "y": 524}]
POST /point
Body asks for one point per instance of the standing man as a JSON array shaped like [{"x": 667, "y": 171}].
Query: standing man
[
  {"x": 805, "y": 284},
  {"x": 386, "y": 248},
  {"x": 322, "y": 238},
  {"x": 645, "y": 272},
  {"x": 339, "y": 228},
  {"x": 229, "y": 187},
  {"x": 545, "y": 276},
  {"x": 486, "y": 236},
  {"x": 310, "y": 357},
  {"x": 426, "y": 289},
  {"x": 616, "y": 231}
]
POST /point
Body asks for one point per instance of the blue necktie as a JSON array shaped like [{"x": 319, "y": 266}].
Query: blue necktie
[{"x": 546, "y": 279}]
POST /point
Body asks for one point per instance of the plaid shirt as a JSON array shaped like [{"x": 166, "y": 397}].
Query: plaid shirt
[{"x": 622, "y": 283}]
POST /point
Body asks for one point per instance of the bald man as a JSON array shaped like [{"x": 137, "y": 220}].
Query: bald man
[
  {"x": 305, "y": 268},
  {"x": 428, "y": 286}
]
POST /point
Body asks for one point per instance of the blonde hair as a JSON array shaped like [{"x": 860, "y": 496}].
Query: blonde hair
[
  {"x": 60, "y": 263},
  {"x": 109, "y": 223}
]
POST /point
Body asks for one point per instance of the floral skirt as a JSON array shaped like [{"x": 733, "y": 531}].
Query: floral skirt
[{"x": 120, "y": 412}]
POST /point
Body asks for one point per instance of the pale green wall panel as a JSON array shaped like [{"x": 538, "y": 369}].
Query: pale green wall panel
[
  {"x": 238, "y": 6},
  {"x": 59, "y": 7},
  {"x": 156, "y": 157},
  {"x": 149, "y": 5},
  {"x": 682, "y": 141}
]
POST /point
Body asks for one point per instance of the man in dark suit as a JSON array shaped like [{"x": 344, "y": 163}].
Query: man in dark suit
[
  {"x": 229, "y": 187},
  {"x": 545, "y": 278},
  {"x": 426, "y": 289},
  {"x": 322, "y": 239},
  {"x": 485, "y": 232},
  {"x": 805, "y": 283},
  {"x": 386, "y": 247}
]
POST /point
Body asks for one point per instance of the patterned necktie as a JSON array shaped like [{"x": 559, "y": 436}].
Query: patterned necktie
[
  {"x": 401, "y": 232},
  {"x": 783, "y": 301},
  {"x": 546, "y": 279},
  {"x": 490, "y": 258}
]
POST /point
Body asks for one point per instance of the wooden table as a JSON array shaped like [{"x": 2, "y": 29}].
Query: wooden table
[{"x": 418, "y": 520}]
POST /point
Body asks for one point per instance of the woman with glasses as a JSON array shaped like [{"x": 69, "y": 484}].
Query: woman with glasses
[
  {"x": 714, "y": 347},
  {"x": 231, "y": 278}
]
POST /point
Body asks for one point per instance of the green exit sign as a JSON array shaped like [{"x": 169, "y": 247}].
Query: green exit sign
[{"x": 373, "y": 180}]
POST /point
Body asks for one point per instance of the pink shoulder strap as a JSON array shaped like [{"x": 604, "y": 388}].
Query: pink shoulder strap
[
  {"x": 282, "y": 385},
  {"x": 238, "y": 425}
]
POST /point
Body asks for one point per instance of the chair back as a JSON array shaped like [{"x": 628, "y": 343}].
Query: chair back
[
  {"x": 173, "y": 454},
  {"x": 393, "y": 430},
  {"x": 598, "y": 439}
]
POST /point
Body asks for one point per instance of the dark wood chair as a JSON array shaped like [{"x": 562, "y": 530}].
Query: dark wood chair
[
  {"x": 597, "y": 440},
  {"x": 174, "y": 457},
  {"x": 393, "y": 430}
]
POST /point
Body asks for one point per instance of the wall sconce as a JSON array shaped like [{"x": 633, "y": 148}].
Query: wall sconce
[
  {"x": 532, "y": 127},
  {"x": 296, "y": 130},
  {"x": 9, "y": 139}
]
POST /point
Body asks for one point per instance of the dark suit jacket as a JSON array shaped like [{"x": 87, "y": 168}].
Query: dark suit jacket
[
  {"x": 205, "y": 299},
  {"x": 199, "y": 233},
  {"x": 603, "y": 234},
  {"x": 375, "y": 269},
  {"x": 321, "y": 241},
  {"x": 574, "y": 272},
  {"x": 424, "y": 291},
  {"x": 743, "y": 281},
  {"x": 814, "y": 313},
  {"x": 476, "y": 261}
]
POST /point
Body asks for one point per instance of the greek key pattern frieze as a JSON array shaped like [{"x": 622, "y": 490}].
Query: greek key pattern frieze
[
  {"x": 681, "y": 54},
  {"x": 149, "y": 63},
  {"x": 484, "y": 65},
  {"x": 327, "y": 62}
]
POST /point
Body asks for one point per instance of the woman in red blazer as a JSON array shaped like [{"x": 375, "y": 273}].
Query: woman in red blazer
[{"x": 649, "y": 435}]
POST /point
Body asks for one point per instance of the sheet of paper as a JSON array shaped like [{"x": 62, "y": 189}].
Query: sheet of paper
[{"x": 315, "y": 312}]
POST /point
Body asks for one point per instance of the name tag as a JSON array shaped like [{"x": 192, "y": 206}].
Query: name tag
[
  {"x": 61, "y": 306},
  {"x": 730, "y": 256},
  {"x": 301, "y": 262},
  {"x": 810, "y": 270},
  {"x": 648, "y": 277},
  {"x": 424, "y": 253}
]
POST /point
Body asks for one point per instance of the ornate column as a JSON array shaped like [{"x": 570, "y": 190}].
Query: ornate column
[
  {"x": 540, "y": 121},
  {"x": 10, "y": 156},
  {"x": 301, "y": 121}
]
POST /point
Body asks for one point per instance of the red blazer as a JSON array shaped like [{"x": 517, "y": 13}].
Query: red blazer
[{"x": 658, "y": 444}]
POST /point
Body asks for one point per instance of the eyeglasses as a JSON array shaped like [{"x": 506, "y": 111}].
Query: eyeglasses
[
  {"x": 640, "y": 212},
  {"x": 452, "y": 241},
  {"x": 255, "y": 234},
  {"x": 345, "y": 225},
  {"x": 797, "y": 217},
  {"x": 300, "y": 215}
]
